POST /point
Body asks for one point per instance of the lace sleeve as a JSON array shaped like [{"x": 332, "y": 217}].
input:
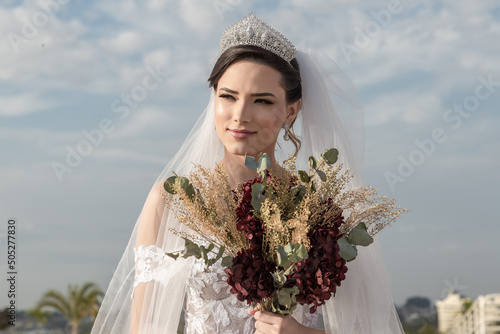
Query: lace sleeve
[{"x": 148, "y": 260}]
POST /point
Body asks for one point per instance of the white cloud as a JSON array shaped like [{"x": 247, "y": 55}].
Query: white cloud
[
  {"x": 124, "y": 154},
  {"x": 143, "y": 121},
  {"x": 318, "y": 6},
  {"x": 127, "y": 42},
  {"x": 444, "y": 42},
  {"x": 22, "y": 104},
  {"x": 156, "y": 5},
  {"x": 56, "y": 57},
  {"x": 200, "y": 16},
  {"x": 160, "y": 57},
  {"x": 409, "y": 107},
  {"x": 164, "y": 23}
]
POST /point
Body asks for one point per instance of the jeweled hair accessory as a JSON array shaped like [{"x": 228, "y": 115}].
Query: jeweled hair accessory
[{"x": 250, "y": 30}]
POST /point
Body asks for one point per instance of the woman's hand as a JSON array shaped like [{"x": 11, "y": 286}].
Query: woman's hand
[{"x": 270, "y": 323}]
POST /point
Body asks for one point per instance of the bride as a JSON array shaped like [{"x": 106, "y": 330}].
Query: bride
[{"x": 260, "y": 86}]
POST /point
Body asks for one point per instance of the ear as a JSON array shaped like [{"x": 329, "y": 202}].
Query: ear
[{"x": 292, "y": 111}]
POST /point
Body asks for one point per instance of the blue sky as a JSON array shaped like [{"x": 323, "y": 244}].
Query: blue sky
[{"x": 427, "y": 71}]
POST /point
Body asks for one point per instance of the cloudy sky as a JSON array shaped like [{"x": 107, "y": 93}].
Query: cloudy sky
[{"x": 129, "y": 77}]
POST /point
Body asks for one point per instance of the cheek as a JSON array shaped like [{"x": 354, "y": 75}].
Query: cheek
[
  {"x": 271, "y": 123},
  {"x": 220, "y": 115},
  {"x": 273, "y": 120}
]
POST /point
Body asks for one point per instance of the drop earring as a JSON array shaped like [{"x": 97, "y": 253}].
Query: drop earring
[{"x": 286, "y": 136}]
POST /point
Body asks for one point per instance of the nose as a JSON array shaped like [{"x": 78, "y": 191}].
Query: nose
[{"x": 242, "y": 112}]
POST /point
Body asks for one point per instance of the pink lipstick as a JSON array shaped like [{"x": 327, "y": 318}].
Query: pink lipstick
[{"x": 241, "y": 134}]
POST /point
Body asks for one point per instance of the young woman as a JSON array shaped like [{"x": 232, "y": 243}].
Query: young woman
[{"x": 261, "y": 85}]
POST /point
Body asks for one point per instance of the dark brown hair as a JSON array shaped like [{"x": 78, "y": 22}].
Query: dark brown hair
[{"x": 290, "y": 75}]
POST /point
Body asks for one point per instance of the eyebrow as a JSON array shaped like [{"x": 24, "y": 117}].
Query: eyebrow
[{"x": 253, "y": 94}]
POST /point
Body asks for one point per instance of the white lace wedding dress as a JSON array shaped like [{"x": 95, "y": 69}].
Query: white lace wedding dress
[{"x": 209, "y": 305}]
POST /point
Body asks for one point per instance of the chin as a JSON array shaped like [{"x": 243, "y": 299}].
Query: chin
[{"x": 242, "y": 151}]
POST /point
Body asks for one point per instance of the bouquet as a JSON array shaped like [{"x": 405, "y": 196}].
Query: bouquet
[{"x": 284, "y": 237}]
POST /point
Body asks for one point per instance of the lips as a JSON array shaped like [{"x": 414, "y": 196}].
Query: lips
[{"x": 241, "y": 134}]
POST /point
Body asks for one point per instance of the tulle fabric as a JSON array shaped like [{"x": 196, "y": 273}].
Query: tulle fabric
[{"x": 331, "y": 116}]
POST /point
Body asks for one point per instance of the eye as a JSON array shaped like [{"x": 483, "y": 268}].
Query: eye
[
  {"x": 264, "y": 101},
  {"x": 226, "y": 96}
]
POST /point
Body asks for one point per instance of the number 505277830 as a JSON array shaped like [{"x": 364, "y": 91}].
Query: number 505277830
[{"x": 11, "y": 244}]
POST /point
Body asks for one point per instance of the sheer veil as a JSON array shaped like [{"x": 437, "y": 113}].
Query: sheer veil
[{"x": 331, "y": 115}]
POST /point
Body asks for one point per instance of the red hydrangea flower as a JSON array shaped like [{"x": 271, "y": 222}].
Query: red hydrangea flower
[
  {"x": 253, "y": 227},
  {"x": 318, "y": 276},
  {"x": 250, "y": 276}
]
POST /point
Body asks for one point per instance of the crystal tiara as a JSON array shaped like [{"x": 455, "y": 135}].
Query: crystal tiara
[{"x": 250, "y": 30}]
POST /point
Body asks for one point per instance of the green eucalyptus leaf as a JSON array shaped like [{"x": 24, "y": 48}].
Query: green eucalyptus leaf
[
  {"x": 220, "y": 253},
  {"x": 313, "y": 162},
  {"x": 302, "y": 252},
  {"x": 227, "y": 261},
  {"x": 172, "y": 255},
  {"x": 257, "y": 197},
  {"x": 293, "y": 258},
  {"x": 250, "y": 162},
  {"x": 290, "y": 270},
  {"x": 304, "y": 177},
  {"x": 282, "y": 257},
  {"x": 279, "y": 278},
  {"x": 312, "y": 186},
  {"x": 257, "y": 189},
  {"x": 284, "y": 302},
  {"x": 347, "y": 251},
  {"x": 169, "y": 184},
  {"x": 330, "y": 156},
  {"x": 299, "y": 191},
  {"x": 256, "y": 204},
  {"x": 191, "y": 250},
  {"x": 182, "y": 181},
  {"x": 263, "y": 163},
  {"x": 204, "y": 254},
  {"x": 284, "y": 298},
  {"x": 321, "y": 174},
  {"x": 190, "y": 191},
  {"x": 359, "y": 235},
  {"x": 288, "y": 248}
]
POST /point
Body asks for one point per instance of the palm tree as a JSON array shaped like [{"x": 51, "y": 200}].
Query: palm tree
[
  {"x": 38, "y": 317},
  {"x": 77, "y": 305}
]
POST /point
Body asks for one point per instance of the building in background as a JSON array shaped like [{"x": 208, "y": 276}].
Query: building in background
[{"x": 481, "y": 317}]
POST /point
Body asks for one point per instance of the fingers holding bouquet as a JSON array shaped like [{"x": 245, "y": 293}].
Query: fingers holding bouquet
[{"x": 270, "y": 323}]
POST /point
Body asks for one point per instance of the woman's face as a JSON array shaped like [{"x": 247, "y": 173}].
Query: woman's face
[{"x": 251, "y": 108}]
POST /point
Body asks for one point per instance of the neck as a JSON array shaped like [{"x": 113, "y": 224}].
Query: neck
[{"x": 234, "y": 165}]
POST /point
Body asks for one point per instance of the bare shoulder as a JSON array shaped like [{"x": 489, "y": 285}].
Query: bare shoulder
[
  {"x": 151, "y": 215},
  {"x": 157, "y": 194}
]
